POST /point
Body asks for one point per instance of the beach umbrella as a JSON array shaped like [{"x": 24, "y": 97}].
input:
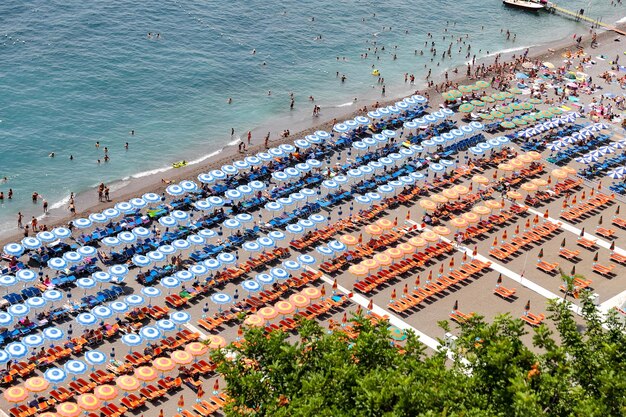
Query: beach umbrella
[
  {"x": 14, "y": 249},
  {"x": 8, "y": 280},
  {"x": 53, "y": 333},
  {"x": 150, "y": 333},
  {"x": 166, "y": 325},
  {"x": 119, "y": 307},
  {"x": 125, "y": 207},
  {"x": 95, "y": 357},
  {"x": 181, "y": 357},
  {"x": 46, "y": 236},
  {"x": 75, "y": 367},
  {"x": 26, "y": 275},
  {"x": 18, "y": 310},
  {"x": 86, "y": 319},
  {"x": 32, "y": 340},
  {"x": 31, "y": 243},
  {"x": 118, "y": 270},
  {"x": 101, "y": 276},
  {"x": 55, "y": 375},
  {"x": 5, "y": 319},
  {"x": 127, "y": 383},
  {"x": 15, "y": 394}
]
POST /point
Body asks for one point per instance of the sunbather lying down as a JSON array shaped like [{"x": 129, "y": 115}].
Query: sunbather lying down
[{"x": 166, "y": 181}]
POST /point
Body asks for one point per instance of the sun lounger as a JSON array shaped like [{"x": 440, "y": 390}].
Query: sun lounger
[
  {"x": 505, "y": 293},
  {"x": 603, "y": 270},
  {"x": 548, "y": 267}
]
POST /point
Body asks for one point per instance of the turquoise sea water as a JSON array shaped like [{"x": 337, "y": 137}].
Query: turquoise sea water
[{"x": 76, "y": 72}]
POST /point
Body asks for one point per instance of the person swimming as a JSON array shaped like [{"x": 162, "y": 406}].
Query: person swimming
[{"x": 51, "y": 155}]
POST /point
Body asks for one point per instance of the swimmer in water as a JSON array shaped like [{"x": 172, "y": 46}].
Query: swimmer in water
[
  {"x": 230, "y": 100},
  {"x": 71, "y": 157},
  {"x": 51, "y": 155},
  {"x": 254, "y": 52}
]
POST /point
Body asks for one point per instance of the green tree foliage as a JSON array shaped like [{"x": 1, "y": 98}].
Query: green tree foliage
[{"x": 577, "y": 369}]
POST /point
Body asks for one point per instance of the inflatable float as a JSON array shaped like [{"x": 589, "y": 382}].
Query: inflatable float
[{"x": 179, "y": 164}]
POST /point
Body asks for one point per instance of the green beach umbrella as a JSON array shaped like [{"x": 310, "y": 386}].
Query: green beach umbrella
[
  {"x": 487, "y": 99},
  {"x": 507, "y": 125},
  {"x": 478, "y": 103},
  {"x": 506, "y": 94},
  {"x": 447, "y": 96},
  {"x": 516, "y": 106},
  {"x": 474, "y": 87},
  {"x": 519, "y": 122},
  {"x": 506, "y": 109},
  {"x": 498, "y": 96},
  {"x": 465, "y": 89},
  {"x": 466, "y": 108},
  {"x": 482, "y": 84},
  {"x": 527, "y": 106},
  {"x": 515, "y": 90},
  {"x": 570, "y": 75},
  {"x": 455, "y": 93},
  {"x": 497, "y": 114},
  {"x": 486, "y": 117},
  {"x": 555, "y": 110},
  {"x": 529, "y": 118},
  {"x": 535, "y": 101},
  {"x": 538, "y": 116}
]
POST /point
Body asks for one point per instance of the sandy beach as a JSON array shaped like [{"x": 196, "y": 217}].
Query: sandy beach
[{"x": 456, "y": 273}]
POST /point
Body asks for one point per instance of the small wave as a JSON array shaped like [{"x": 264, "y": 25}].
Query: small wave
[
  {"x": 147, "y": 173},
  {"x": 344, "y": 104},
  {"x": 508, "y": 50},
  {"x": 61, "y": 203},
  {"x": 622, "y": 20},
  {"x": 234, "y": 142},
  {"x": 204, "y": 158}
]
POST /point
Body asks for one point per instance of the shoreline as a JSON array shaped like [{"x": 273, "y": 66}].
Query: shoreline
[{"x": 135, "y": 185}]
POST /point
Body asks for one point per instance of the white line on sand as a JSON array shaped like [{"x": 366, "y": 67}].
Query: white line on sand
[
  {"x": 393, "y": 319},
  {"x": 510, "y": 274},
  {"x": 570, "y": 228},
  {"x": 194, "y": 329},
  {"x": 3, "y": 413}
]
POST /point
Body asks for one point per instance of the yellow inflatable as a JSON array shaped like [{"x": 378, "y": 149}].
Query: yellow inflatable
[
  {"x": 376, "y": 72},
  {"x": 179, "y": 164}
]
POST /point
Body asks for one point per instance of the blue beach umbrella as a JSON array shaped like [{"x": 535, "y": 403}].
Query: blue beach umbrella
[
  {"x": 198, "y": 269},
  {"x": 142, "y": 232},
  {"x": 251, "y": 286},
  {"x": 46, "y": 236},
  {"x": 110, "y": 241},
  {"x": 188, "y": 186},
  {"x": 131, "y": 340},
  {"x": 134, "y": 300},
  {"x": 4, "y": 357},
  {"x": 82, "y": 223},
  {"x": 119, "y": 307},
  {"x": 5, "y": 319},
  {"x": 72, "y": 257},
  {"x": 166, "y": 249},
  {"x": 212, "y": 263},
  {"x": 138, "y": 202},
  {"x": 184, "y": 275},
  {"x": 102, "y": 312},
  {"x": 264, "y": 279},
  {"x": 62, "y": 232},
  {"x": 98, "y": 218},
  {"x": 55, "y": 375},
  {"x": 279, "y": 273},
  {"x": 306, "y": 260},
  {"x": 276, "y": 235},
  {"x": 175, "y": 190},
  {"x": 167, "y": 221},
  {"x": 26, "y": 275},
  {"x": 181, "y": 244},
  {"x": 125, "y": 207},
  {"x": 180, "y": 317},
  {"x": 86, "y": 319},
  {"x": 205, "y": 178},
  {"x": 18, "y": 310},
  {"x": 226, "y": 258},
  {"x": 118, "y": 270},
  {"x": 31, "y": 243},
  {"x": 241, "y": 164},
  {"x": 202, "y": 205},
  {"x": 53, "y": 333},
  {"x": 102, "y": 276},
  {"x": 151, "y": 198},
  {"x": 169, "y": 282},
  {"x": 141, "y": 261},
  {"x": 150, "y": 333},
  {"x": 151, "y": 292},
  {"x": 291, "y": 265},
  {"x": 166, "y": 325},
  {"x": 13, "y": 249},
  {"x": 52, "y": 295},
  {"x": 36, "y": 302},
  {"x": 16, "y": 350},
  {"x": 33, "y": 340},
  {"x": 95, "y": 357},
  {"x": 221, "y": 298},
  {"x": 87, "y": 251},
  {"x": 75, "y": 367}
]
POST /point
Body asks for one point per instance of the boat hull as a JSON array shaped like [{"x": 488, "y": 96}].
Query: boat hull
[{"x": 521, "y": 4}]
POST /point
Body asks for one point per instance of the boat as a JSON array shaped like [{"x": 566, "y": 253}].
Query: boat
[{"x": 525, "y": 4}]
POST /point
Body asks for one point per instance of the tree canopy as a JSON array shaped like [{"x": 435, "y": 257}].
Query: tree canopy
[{"x": 577, "y": 370}]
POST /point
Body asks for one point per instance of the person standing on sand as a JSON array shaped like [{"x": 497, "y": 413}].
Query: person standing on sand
[
  {"x": 106, "y": 194},
  {"x": 267, "y": 140},
  {"x": 33, "y": 223},
  {"x": 20, "y": 216},
  {"x": 249, "y": 137},
  {"x": 45, "y": 207}
]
